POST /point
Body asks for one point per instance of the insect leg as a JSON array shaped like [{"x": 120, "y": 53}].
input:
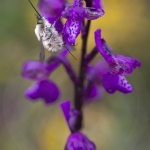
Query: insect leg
[
  {"x": 42, "y": 53},
  {"x": 69, "y": 52}
]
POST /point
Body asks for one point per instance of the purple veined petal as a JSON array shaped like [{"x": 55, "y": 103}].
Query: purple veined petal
[
  {"x": 118, "y": 64},
  {"x": 107, "y": 49},
  {"x": 71, "y": 31},
  {"x": 121, "y": 65},
  {"x": 67, "y": 10},
  {"x": 99, "y": 45},
  {"x": 79, "y": 141},
  {"x": 93, "y": 13},
  {"x": 98, "y": 4},
  {"x": 44, "y": 89},
  {"x": 74, "y": 12},
  {"x": 66, "y": 107},
  {"x": 34, "y": 70},
  {"x": 111, "y": 83}
]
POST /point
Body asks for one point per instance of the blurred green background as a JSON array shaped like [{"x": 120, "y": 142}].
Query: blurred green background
[{"x": 116, "y": 122}]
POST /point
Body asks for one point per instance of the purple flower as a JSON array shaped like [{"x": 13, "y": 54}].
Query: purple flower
[
  {"x": 72, "y": 116},
  {"x": 34, "y": 70},
  {"x": 79, "y": 141},
  {"x": 76, "y": 140},
  {"x": 75, "y": 14},
  {"x": 100, "y": 75},
  {"x": 51, "y": 10},
  {"x": 118, "y": 64},
  {"x": 44, "y": 89},
  {"x": 116, "y": 82}
]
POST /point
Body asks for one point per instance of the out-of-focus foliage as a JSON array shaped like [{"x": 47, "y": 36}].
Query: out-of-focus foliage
[{"x": 117, "y": 122}]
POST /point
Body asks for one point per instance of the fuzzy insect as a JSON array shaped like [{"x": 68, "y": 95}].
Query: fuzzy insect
[{"x": 48, "y": 35}]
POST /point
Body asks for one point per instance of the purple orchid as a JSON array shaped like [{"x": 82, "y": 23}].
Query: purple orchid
[
  {"x": 118, "y": 64},
  {"x": 108, "y": 74},
  {"x": 34, "y": 70},
  {"x": 75, "y": 14},
  {"x": 51, "y": 10},
  {"x": 76, "y": 140},
  {"x": 79, "y": 141},
  {"x": 72, "y": 116},
  {"x": 42, "y": 88},
  {"x": 99, "y": 75}
]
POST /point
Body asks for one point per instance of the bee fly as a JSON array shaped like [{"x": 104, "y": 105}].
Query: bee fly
[{"x": 48, "y": 36}]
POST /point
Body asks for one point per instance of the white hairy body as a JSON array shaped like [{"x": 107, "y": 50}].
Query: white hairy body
[{"x": 46, "y": 32}]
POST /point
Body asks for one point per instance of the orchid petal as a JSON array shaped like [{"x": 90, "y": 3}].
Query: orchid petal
[
  {"x": 99, "y": 45},
  {"x": 120, "y": 65},
  {"x": 34, "y": 70},
  {"x": 114, "y": 82},
  {"x": 79, "y": 141},
  {"x": 66, "y": 107},
  {"x": 71, "y": 31},
  {"x": 93, "y": 13},
  {"x": 92, "y": 92},
  {"x": 44, "y": 89},
  {"x": 51, "y": 8}
]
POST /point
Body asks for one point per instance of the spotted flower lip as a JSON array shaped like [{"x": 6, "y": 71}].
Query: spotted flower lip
[
  {"x": 112, "y": 83},
  {"x": 118, "y": 64},
  {"x": 78, "y": 12},
  {"x": 71, "y": 30},
  {"x": 100, "y": 74},
  {"x": 75, "y": 13},
  {"x": 79, "y": 141},
  {"x": 44, "y": 89}
]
